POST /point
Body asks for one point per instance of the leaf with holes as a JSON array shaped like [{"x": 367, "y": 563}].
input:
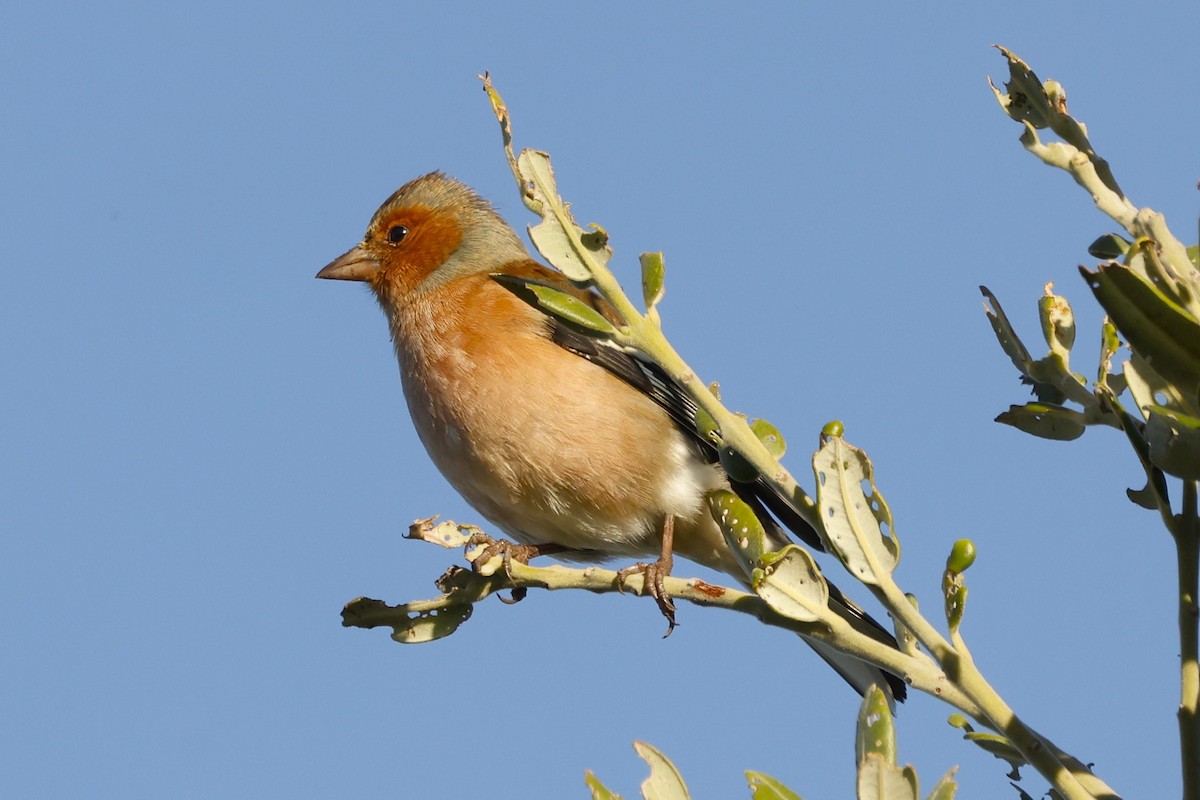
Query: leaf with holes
[
  {"x": 1174, "y": 440},
  {"x": 852, "y": 520},
  {"x": 770, "y": 436},
  {"x": 1158, "y": 329},
  {"x": 558, "y": 237},
  {"x": 875, "y": 732},
  {"x": 764, "y": 787},
  {"x": 791, "y": 584},
  {"x": 744, "y": 533},
  {"x": 1045, "y": 420}
]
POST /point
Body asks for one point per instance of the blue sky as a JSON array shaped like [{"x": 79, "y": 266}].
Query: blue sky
[{"x": 206, "y": 453}]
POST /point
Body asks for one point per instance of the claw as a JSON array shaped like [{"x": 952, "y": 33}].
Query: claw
[
  {"x": 517, "y": 595},
  {"x": 653, "y": 574}
]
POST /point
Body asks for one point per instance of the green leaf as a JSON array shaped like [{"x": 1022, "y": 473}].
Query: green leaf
[
  {"x": 1174, "y": 440},
  {"x": 1155, "y": 494},
  {"x": 1145, "y": 497},
  {"x": 854, "y": 522},
  {"x": 946, "y": 787},
  {"x": 876, "y": 732},
  {"x": 653, "y": 272},
  {"x": 1058, "y": 322},
  {"x": 1050, "y": 377},
  {"x": 1193, "y": 254},
  {"x": 879, "y": 780},
  {"x": 993, "y": 743},
  {"x": 770, "y": 436},
  {"x": 1005, "y": 334},
  {"x": 764, "y": 787},
  {"x": 791, "y": 583},
  {"x": 998, "y": 746},
  {"x": 1110, "y": 343},
  {"x": 1110, "y": 246},
  {"x": 1157, "y": 329},
  {"x": 665, "y": 782},
  {"x": 736, "y": 466},
  {"x": 554, "y": 301},
  {"x": 598, "y": 789},
  {"x": 1045, "y": 420},
  {"x": 743, "y": 531},
  {"x": 706, "y": 426},
  {"x": 1151, "y": 389}
]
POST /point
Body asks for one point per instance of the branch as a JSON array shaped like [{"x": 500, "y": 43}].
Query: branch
[{"x": 425, "y": 620}]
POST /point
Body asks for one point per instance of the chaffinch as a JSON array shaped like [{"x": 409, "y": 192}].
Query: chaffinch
[{"x": 559, "y": 441}]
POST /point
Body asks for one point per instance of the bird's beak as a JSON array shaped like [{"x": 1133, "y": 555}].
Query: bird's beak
[{"x": 355, "y": 264}]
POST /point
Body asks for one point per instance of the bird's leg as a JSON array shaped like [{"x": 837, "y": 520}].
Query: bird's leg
[
  {"x": 521, "y": 553},
  {"x": 655, "y": 572}
]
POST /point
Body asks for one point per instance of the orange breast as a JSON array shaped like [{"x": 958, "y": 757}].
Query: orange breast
[{"x": 547, "y": 445}]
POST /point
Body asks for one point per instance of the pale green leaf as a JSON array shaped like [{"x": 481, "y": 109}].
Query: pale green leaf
[
  {"x": 446, "y": 534},
  {"x": 954, "y": 593},
  {"x": 1058, "y": 322},
  {"x": 1151, "y": 389},
  {"x": 653, "y": 272},
  {"x": 558, "y": 237},
  {"x": 993, "y": 743},
  {"x": 428, "y": 626},
  {"x": 665, "y": 782},
  {"x": 1157, "y": 329},
  {"x": 854, "y": 522},
  {"x": 946, "y": 787},
  {"x": 879, "y": 780},
  {"x": 1174, "y": 440},
  {"x": 1044, "y": 105},
  {"x": 791, "y": 584}
]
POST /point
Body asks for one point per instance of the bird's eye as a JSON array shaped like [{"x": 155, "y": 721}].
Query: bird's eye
[{"x": 396, "y": 233}]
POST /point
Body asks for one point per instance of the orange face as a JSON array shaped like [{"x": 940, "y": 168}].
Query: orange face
[{"x": 410, "y": 243}]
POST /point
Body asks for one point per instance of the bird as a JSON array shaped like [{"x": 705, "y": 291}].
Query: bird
[{"x": 568, "y": 446}]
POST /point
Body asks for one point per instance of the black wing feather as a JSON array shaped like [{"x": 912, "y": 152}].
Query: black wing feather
[{"x": 649, "y": 379}]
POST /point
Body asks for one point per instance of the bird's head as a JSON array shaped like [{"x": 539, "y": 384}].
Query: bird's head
[{"x": 432, "y": 230}]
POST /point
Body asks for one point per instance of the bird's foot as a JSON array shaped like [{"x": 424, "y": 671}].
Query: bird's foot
[
  {"x": 511, "y": 551},
  {"x": 654, "y": 573}
]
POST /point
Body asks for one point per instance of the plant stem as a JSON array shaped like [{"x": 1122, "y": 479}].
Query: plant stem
[{"x": 1186, "y": 531}]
